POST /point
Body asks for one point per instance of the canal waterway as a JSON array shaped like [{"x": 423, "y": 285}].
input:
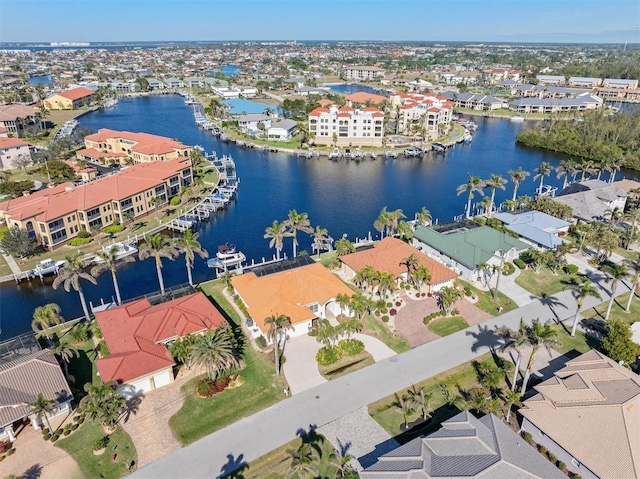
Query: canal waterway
[{"x": 345, "y": 197}]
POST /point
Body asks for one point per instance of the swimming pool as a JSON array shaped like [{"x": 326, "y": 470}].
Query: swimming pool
[{"x": 240, "y": 106}]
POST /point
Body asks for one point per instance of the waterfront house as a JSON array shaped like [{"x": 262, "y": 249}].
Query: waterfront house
[
  {"x": 299, "y": 288},
  {"x": 155, "y": 84},
  {"x": 463, "y": 246},
  {"x": 580, "y": 102},
  {"x": 587, "y": 415},
  {"x": 55, "y": 215},
  {"x": 465, "y": 446},
  {"x": 174, "y": 83},
  {"x": 15, "y": 117},
  {"x": 124, "y": 87},
  {"x": 282, "y": 130},
  {"x": 70, "y": 99},
  {"x": 25, "y": 373},
  {"x": 623, "y": 84},
  {"x": 309, "y": 90},
  {"x": 388, "y": 254},
  {"x": 194, "y": 82},
  {"x": 140, "y": 147},
  {"x": 346, "y": 126},
  {"x": 249, "y": 123},
  {"x": 536, "y": 228},
  {"x": 363, "y": 73},
  {"x": 591, "y": 200},
  {"x": 12, "y": 149},
  {"x": 138, "y": 333},
  {"x": 474, "y": 101},
  {"x": 362, "y": 98}
]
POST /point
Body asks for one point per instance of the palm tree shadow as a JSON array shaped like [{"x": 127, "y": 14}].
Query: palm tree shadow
[
  {"x": 552, "y": 302},
  {"x": 485, "y": 338},
  {"x": 234, "y": 468},
  {"x": 34, "y": 472},
  {"x": 132, "y": 408},
  {"x": 312, "y": 438}
]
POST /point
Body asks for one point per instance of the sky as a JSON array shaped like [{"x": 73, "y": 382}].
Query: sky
[{"x": 547, "y": 21}]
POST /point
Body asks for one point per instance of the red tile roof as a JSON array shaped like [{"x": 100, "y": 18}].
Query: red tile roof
[
  {"x": 318, "y": 111},
  {"x": 76, "y": 93},
  {"x": 136, "y": 332},
  {"x": 145, "y": 143},
  {"x": 363, "y": 97},
  {"x": 344, "y": 115},
  {"x": 11, "y": 143}
]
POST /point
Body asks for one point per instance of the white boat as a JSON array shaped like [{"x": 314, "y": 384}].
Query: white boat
[
  {"x": 438, "y": 147},
  {"x": 347, "y": 154},
  {"x": 335, "y": 153},
  {"x": 358, "y": 153},
  {"x": 517, "y": 118},
  {"x": 122, "y": 250},
  {"x": 391, "y": 154},
  {"x": 227, "y": 257},
  {"x": 410, "y": 152},
  {"x": 467, "y": 137},
  {"x": 46, "y": 266}
]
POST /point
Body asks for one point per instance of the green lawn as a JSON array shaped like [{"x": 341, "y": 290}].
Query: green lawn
[
  {"x": 629, "y": 254},
  {"x": 79, "y": 446},
  {"x": 580, "y": 343},
  {"x": 346, "y": 365},
  {"x": 376, "y": 328},
  {"x": 213, "y": 289},
  {"x": 211, "y": 176},
  {"x": 543, "y": 282},
  {"x": 617, "y": 310},
  {"x": 327, "y": 259},
  {"x": 489, "y": 304},
  {"x": 446, "y": 326},
  {"x": 83, "y": 367}
]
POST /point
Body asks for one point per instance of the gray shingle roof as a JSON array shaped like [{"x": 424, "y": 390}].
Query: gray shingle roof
[{"x": 535, "y": 226}]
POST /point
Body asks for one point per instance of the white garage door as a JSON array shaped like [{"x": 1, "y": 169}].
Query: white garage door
[
  {"x": 162, "y": 379},
  {"x": 136, "y": 388}
]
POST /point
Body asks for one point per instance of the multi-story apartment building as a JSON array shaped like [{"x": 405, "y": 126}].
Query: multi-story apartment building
[
  {"x": 424, "y": 110},
  {"x": 347, "y": 126},
  {"x": 55, "y": 215},
  {"x": 14, "y": 117},
  {"x": 114, "y": 147},
  {"x": 495, "y": 75},
  {"x": 70, "y": 99},
  {"x": 363, "y": 73},
  {"x": 12, "y": 149}
]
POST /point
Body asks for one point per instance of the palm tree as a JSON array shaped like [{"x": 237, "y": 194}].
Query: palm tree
[
  {"x": 215, "y": 351},
  {"x": 543, "y": 170},
  {"x": 297, "y": 222},
  {"x": 418, "y": 396},
  {"x": 473, "y": 184},
  {"x": 633, "y": 265},
  {"x": 42, "y": 408},
  {"x": 494, "y": 182},
  {"x": 411, "y": 262},
  {"x": 277, "y": 324},
  {"x": 276, "y": 232},
  {"x": 340, "y": 460},
  {"x": 66, "y": 350},
  {"x": 423, "y": 217},
  {"x": 343, "y": 300},
  {"x": 405, "y": 231},
  {"x": 70, "y": 275},
  {"x": 517, "y": 177},
  {"x": 581, "y": 290},
  {"x": 109, "y": 261},
  {"x": 540, "y": 335},
  {"x": 159, "y": 246},
  {"x": 405, "y": 405},
  {"x": 632, "y": 216},
  {"x": 514, "y": 339},
  {"x": 486, "y": 205},
  {"x": 46, "y": 316},
  {"x": 320, "y": 238},
  {"x": 103, "y": 404},
  {"x": 420, "y": 275},
  {"x": 381, "y": 224},
  {"x": 617, "y": 272},
  {"x": 302, "y": 462},
  {"x": 394, "y": 218},
  {"x": 189, "y": 245},
  {"x": 511, "y": 398}
]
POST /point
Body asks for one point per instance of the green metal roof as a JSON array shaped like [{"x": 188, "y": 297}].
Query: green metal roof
[{"x": 469, "y": 247}]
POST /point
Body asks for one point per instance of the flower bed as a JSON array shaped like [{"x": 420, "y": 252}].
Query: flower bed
[{"x": 206, "y": 388}]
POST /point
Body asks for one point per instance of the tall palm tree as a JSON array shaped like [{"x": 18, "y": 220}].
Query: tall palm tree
[
  {"x": 420, "y": 275},
  {"x": 103, "y": 404},
  {"x": 297, "y": 222},
  {"x": 340, "y": 460},
  {"x": 494, "y": 182},
  {"x": 633, "y": 265},
  {"x": 517, "y": 176},
  {"x": 586, "y": 167},
  {"x": 411, "y": 262},
  {"x": 66, "y": 350},
  {"x": 277, "y": 325},
  {"x": 540, "y": 335},
  {"x": 405, "y": 405},
  {"x": 631, "y": 216},
  {"x": 42, "y": 408},
  {"x": 564, "y": 169},
  {"x": 581, "y": 290},
  {"x": 617, "y": 273},
  {"x": 320, "y": 238},
  {"x": 510, "y": 398},
  {"x": 543, "y": 170},
  {"x": 215, "y": 351},
  {"x": 70, "y": 275},
  {"x": 514, "y": 339},
  {"x": 422, "y": 399},
  {"x": 473, "y": 184},
  {"x": 302, "y": 462},
  {"x": 343, "y": 300},
  {"x": 159, "y": 246},
  {"x": 381, "y": 223},
  {"x": 423, "y": 217},
  {"x": 109, "y": 261},
  {"x": 46, "y": 316},
  {"x": 394, "y": 218},
  {"x": 189, "y": 245},
  {"x": 276, "y": 232}
]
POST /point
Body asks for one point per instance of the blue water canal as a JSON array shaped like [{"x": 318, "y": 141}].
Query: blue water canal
[{"x": 344, "y": 197}]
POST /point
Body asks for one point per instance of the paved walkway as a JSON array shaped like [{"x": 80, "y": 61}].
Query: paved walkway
[
  {"x": 15, "y": 269},
  {"x": 517, "y": 293},
  {"x": 375, "y": 347}
]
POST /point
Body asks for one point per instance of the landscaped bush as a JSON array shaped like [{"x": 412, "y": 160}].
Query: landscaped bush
[
  {"x": 100, "y": 443},
  {"x": 542, "y": 449},
  {"x": 4, "y": 446},
  {"x": 508, "y": 269},
  {"x": 519, "y": 263},
  {"x": 398, "y": 304},
  {"x": 552, "y": 457},
  {"x": 66, "y": 432},
  {"x": 328, "y": 355},
  {"x": 79, "y": 241},
  {"x": 570, "y": 269},
  {"x": 207, "y": 388},
  {"x": 455, "y": 312},
  {"x": 84, "y": 234},
  {"x": 261, "y": 341},
  {"x": 393, "y": 312},
  {"x": 527, "y": 436},
  {"x": 74, "y": 427},
  {"x": 46, "y": 437},
  {"x": 175, "y": 201},
  {"x": 351, "y": 347},
  {"x": 10, "y": 452},
  {"x": 55, "y": 437},
  {"x": 467, "y": 291},
  {"x": 113, "y": 229},
  {"x": 562, "y": 466},
  {"x": 384, "y": 310},
  {"x": 45, "y": 430},
  {"x": 103, "y": 349},
  {"x": 242, "y": 307},
  {"x": 389, "y": 305},
  {"x": 385, "y": 319}
]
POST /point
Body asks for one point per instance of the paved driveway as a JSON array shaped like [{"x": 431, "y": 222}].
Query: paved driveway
[{"x": 301, "y": 368}]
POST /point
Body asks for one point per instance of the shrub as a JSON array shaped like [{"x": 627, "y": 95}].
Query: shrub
[
  {"x": 103, "y": 348},
  {"x": 351, "y": 347},
  {"x": 455, "y": 312},
  {"x": 328, "y": 355},
  {"x": 46, "y": 437},
  {"x": 79, "y": 241},
  {"x": 175, "y": 201},
  {"x": 4, "y": 446},
  {"x": 508, "y": 269},
  {"x": 398, "y": 304},
  {"x": 10, "y": 452},
  {"x": 442, "y": 313},
  {"x": 113, "y": 229},
  {"x": 74, "y": 427},
  {"x": 519, "y": 263},
  {"x": 393, "y": 312},
  {"x": 542, "y": 449},
  {"x": 552, "y": 457},
  {"x": 562, "y": 466},
  {"x": 527, "y": 436},
  {"x": 100, "y": 443},
  {"x": 207, "y": 388},
  {"x": 55, "y": 437},
  {"x": 261, "y": 341},
  {"x": 389, "y": 305},
  {"x": 467, "y": 291},
  {"x": 570, "y": 269},
  {"x": 385, "y": 319},
  {"x": 84, "y": 234},
  {"x": 2, "y": 458},
  {"x": 66, "y": 432},
  {"x": 96, "y": 331},
  {"x": 45, "y": 430}
]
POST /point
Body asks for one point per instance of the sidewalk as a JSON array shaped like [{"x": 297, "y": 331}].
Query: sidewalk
[{"x": 517, "y": 293}]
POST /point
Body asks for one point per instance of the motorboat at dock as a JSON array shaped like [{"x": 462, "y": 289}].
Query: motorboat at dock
[
  {"x": 227, "y": 258},
  {"x": 46, "y": 266},
  {"x": 121, "y": 250}
]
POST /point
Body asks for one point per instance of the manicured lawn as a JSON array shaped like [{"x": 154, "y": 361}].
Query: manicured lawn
[
  {"x": 83, "y": 367},
  {"x": 629, "y": 254},
  {"x": 489, "y": 304},
  {"x": 79, "y": 446},
  {"x": 276, "y": 464},
  {"x": 617, "y": 310},
  {"x": 327, "y": 259},
  {"x": 211, "y": 176},
  {"x": 580, "y": 342},
  {"x": 213, "y": 289},
  {"x": 446, "y": 326},
  {"x": 543, "y": 282},
  {"x": 346, "y": 365},
  {"x": 377, "y": 329}
]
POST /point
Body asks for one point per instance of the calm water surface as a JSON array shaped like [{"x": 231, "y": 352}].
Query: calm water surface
[{"x": 344, "y": 197}]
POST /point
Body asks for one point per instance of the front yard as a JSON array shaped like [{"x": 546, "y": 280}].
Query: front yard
[
  {"x": 543, "y": 283},
  {"x": 489, "y": 304},
  {"x": 446, "y": 326}
]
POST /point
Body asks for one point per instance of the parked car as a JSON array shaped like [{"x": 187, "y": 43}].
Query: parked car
[{"x": 598, "y": 325}]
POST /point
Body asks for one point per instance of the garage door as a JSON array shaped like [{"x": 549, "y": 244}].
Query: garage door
[
  {"x": 135, "y": 388},
  {"x": 162, "y": 379}
]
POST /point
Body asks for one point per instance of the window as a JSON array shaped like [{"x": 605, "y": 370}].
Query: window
[{"x": 575, "y": 462}]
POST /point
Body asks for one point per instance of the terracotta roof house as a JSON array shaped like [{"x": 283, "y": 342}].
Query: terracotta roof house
[
  {"x": 588, "y": 415},
  {"x": 465, "y": 447},
  {"x": 70, "y": 99},
  {"x": 301, "y": 289},
  {"x": 137, "y": 333},
  {"x": 21, "y": 380},
  {"x": 387, "y": 255}
]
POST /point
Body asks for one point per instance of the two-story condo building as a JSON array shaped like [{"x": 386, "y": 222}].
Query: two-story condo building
[
  {"x": 10, "y": 150},
  {"x": 347, "y": 126},
  {"x": 13, "y": 117},
  {"x": 363, "y": 73},
  {"x": 426, "y": 110},
  {"x": 70, "y": 99},
  {"x": 114, "y": 147},
  {"x": 55, "y": 215}
]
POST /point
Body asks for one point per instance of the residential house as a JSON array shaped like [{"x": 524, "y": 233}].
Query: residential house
[
  {"x": 346, "y": 126},
  {"x": 551, "y": 79},
  {"x": 624, "y": 84},
  {"x": 138, "y": 333},
  {"x": 56, "y": 214},
  {"x": 300, "y": 289},
  {"x": 15, "y": 117},
  {"x": 618, "y": 93},
  {"x": 587, "y": 415},
  {"x": 25, "y": 373},
  {"x": 282, "y": 130},
  {"x": 194, "y": 82},
  {"x": 174, "y": 83},
  {"x": 420, "y": 85},
  {"x": 584, "y": 82},
  {"x": 463, "y": 247},
  {"x": 125, "y": 87},
  {"x": 496, "y": 75},
  {"x": 70, "y": 99},
  {"x": 363, "y": 73},
  {"x": 591, "y": 200},
  {"x": 362, "y": 98},
  {"x": 388, "y": 255},
  {"x": 249, "y": 123},
  {"x": 12, "y": 149},
  {"x": 309, "y": 90},
  {"x": 465, "y": 447},
  {"x": 295, "y": 82},
  {"x": 155, "y": 84},
  {"x": 536, "y": 228}
]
